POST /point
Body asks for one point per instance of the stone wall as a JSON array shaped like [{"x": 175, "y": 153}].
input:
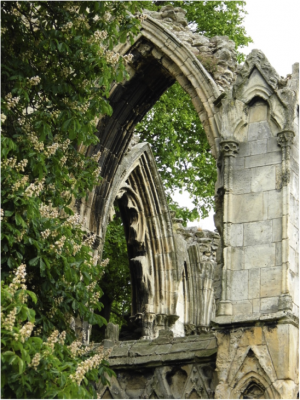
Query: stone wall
[{"x": 166, "y": 367}]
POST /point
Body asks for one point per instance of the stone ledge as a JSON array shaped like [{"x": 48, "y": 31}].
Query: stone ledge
[
  {"x": 281, "y": 316},
  {"x": 140, "y": 352}
]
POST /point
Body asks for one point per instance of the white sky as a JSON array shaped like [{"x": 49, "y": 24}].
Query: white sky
[{"x": 274, "y": 27}]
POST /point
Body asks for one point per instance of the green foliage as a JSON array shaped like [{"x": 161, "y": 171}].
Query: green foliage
[
  {"x": 181, "y": 149},
  {"x": 58, "y": 65},
  {"x": 35, "y": 368},
  {"x": 117, "y": 274}
]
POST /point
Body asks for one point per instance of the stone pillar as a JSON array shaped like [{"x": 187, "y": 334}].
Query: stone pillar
[
  {"x": 285, "y": 140},
  {"x": 228, "y": 148}
]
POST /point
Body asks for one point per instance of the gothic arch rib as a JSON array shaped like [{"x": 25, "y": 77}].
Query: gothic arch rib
[{"x": 137, "y": 174}]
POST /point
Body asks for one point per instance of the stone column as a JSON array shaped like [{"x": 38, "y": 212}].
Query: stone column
[
  {"x": 228, "y": 148},
  {"x": 285, "y": 140}
]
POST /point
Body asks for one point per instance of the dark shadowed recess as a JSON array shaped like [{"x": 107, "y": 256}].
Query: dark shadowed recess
[{"x": 130, "y": 102}]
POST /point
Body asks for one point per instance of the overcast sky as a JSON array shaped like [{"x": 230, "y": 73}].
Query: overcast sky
[{"x": 275, "y": 29}]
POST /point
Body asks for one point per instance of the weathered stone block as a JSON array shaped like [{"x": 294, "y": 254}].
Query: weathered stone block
[
  {"x": 238, "y": 285},
  {"x": 254, "y": 284},
  {"x": 252, "y": 336},
  {"x": 242, "y": 308},
  {"x": 269, "y": 304},
  {"x": 273, "y": 204},
  {"x": 235, "y": 255},
  {"x": 247, "y": 207},
  {"x": 277, "y": 230},
  {"x": 259, "y": 256},
  {"x": 282, "y": 342},
  {"x": 259, "y": 131},
  {"x": 263, "y": 178},
  {"x": 256, "y": 233},
  {"x": 236, "y": 235},
  {"x": 270, "y": 281},
  {"x": 258, "y": 147},
  {"x": 260, "y": 160},
  {"x": 241, "y": 179},
  {"x": 278, "y": 253}
]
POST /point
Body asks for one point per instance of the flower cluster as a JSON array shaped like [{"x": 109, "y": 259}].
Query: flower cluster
[
  {"x": 37, "y": 145},
  {"x": 112, "y": 57},
  {"x": 22, "y": 182},
  {"x": 48, "y": 211},
  {"x": 75, "y": 247},
  {"x": 86, "y": 366},
  {"x": 67, "y": 26},
  {"x": 59, "y": 244},
  {"x": 34, "y": 189},
  {"x": 35, "y": 361},
  {"x": 75, "y": 348},
  {"x": 128, "y": 58},
  {"x": 96, "y": 156},
  {"x": 61, "y": 338},
  {"x": 90, "y": 240},
  {"x": 9, "y": 321},
  {"x": 73, "y": 221},
  {"x": 3, "y": 118},
  {"x": 19, "y": 279},
  {"x": 107, "y": 16},
  {"x": 11, "y": 162},
  {"x": 35, "y": 80},
  {"x": 97, "y": 171},
  {"x": 100, "y": 35},
  {"x": 52, "y": 339},
  {"x": 50, "y": 150},
  {"x": 25, "y": 332},
  {"x": 45, "y": 233},
  {"x": 1, "y": 214},
  {"x": 105, "y": 262},
  {"x": 94, "y": 121},
  {"x": 11, "y": 102}
]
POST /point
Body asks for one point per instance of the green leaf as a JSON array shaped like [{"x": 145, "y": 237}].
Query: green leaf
[
  {"x": 32, "y": 295},
  {"x": 34, "y": 261}
]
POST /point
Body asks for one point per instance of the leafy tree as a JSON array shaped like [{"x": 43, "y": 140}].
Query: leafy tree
[{"x": 58, "y": 64}]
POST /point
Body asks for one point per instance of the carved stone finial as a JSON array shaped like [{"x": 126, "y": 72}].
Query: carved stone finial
[
  {"x": 229, "y": 148},
  {"x": 285, "y": 138}
]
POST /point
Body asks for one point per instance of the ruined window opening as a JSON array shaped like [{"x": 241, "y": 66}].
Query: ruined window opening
[
  {"x": 254, "y": 391},
  {"x": 116, "y": 281}
]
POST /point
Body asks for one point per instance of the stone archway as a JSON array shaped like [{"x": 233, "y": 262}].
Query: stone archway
[{"x": 160, "y": 57}]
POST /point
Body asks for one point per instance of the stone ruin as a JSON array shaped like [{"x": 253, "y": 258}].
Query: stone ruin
[{"x": 217, "y": 311}]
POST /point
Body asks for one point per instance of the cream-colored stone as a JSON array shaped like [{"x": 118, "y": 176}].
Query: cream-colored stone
[
  {"x": 263, "y": 178},
  {"x": 247, "y": 207},
  {"x": 270, "y": 281},
  {"x": 259, "y": 256},
  {"x": 238, "y": 285},
  {"x": 256, "y": 233},
  {"x": 282, "y": 342}
]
